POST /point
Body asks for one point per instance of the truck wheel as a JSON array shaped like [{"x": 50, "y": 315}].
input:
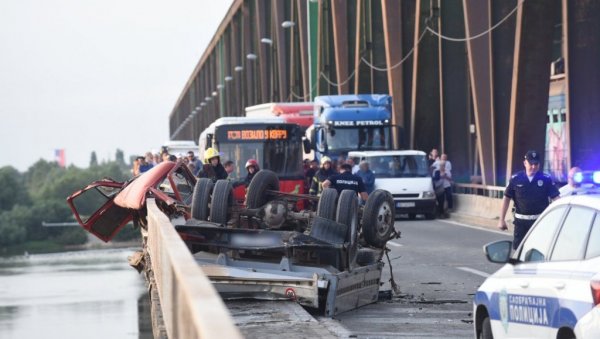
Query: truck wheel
[
  {"x": 378, "y": 218},
  {"x": 327, "y": 202},
  {"x": 263, "y": 180},
  {"x": 201, "y": 198},
  {"x": 347, "y": 213},
  {"x": 222, "y": 199}
]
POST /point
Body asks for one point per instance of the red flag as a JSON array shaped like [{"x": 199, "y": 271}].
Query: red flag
[{"x": 59, "y": 157}]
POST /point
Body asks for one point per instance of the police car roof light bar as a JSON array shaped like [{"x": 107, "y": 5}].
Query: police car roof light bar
[
  {"x": 596, "y": 177},
  {"x": 587, "y": 177}
]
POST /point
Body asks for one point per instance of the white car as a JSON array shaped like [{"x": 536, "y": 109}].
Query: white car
[
  {"x": 550, "y": 286},
  {"x": 406, "y": 175}
]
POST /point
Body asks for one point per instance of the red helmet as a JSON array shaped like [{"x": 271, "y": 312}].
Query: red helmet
[{"x": 253, "y": 163}]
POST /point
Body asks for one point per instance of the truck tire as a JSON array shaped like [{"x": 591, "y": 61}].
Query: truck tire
[
  {"x": 201, "y": 198},
  {"x": 347, "y": 213},
  {"x": 327, "y": 202},
  {"x": 222, "y": 200},
  {"x": 378, "y": 218},
  {"x": 263, "y": 180}
]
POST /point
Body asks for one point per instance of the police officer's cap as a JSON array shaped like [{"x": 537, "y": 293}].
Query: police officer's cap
[{"x": 532, "y": 157}]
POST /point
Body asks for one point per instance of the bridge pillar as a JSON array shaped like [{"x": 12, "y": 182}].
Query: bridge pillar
[
  {"x": 477, "y": 20},
  {"x": 531, "y": 80},
  {"x": 582, "y": 53}
]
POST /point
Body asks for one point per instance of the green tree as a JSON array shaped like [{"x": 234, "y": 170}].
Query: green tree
[
  {"x": 93, "y": 159},
  {"x": 40, "y": 174},
  {"x": 13, "y": 223},
  {"x": 13, "y": 191},
  {"x": 120, "y": 157}
]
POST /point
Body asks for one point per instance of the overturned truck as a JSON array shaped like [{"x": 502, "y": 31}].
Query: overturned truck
[{"x": 270, "y": 247}]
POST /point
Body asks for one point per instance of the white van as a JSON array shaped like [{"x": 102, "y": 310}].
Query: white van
[{"x": 406, "y": 175}]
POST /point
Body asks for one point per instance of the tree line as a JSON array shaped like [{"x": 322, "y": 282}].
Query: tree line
[{"x": 39, "y": 195}]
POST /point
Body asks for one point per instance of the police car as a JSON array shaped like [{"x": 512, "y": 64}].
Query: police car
[{"x": 550, "y": 286}]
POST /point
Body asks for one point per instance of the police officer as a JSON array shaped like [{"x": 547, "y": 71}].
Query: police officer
[
  {"x": 347, "y": 181},
  {"x": 530, "y": 190}
]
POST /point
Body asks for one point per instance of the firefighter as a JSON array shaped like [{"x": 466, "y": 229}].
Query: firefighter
[
  {"x": 322, "y": 174},
  {"x": 252, "y": 167},
  {"x": 212, "y": 167}
]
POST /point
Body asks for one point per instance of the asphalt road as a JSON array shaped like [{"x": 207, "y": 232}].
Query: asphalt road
[{"x": 438, "y": 266}]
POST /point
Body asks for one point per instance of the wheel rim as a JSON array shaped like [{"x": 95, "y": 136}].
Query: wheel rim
[{"x": 384, "y": 218}]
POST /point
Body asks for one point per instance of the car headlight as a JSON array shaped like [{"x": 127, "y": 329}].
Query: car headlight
[{"x": 428, "y": 195}]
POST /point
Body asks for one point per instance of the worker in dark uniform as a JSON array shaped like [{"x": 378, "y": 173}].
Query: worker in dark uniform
[
  {"x": 212, "y": 167},
  {"x": 531, "y": 191},
  {"x": 347, "y": 181}
]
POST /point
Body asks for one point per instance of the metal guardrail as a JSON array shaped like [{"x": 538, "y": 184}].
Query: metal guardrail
[
  {"x": 481, "y": 190},
  {"x": 191, "y": 307}
]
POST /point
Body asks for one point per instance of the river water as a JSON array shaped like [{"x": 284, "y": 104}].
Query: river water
[{"x": 85, "y": 294}]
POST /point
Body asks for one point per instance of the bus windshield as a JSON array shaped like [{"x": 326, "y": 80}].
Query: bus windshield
[
  {"x": 359, "y": 138},
  {"x": 280, "y": 151},
  {"x": 399, "y": 166}
]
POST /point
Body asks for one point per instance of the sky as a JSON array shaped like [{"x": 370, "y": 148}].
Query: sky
[{"x": 89, "y": 75}]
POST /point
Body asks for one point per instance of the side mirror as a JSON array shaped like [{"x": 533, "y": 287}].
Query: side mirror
[
  {"x": 313, "y": 138},
  {"x": 306, "y": 145},
  {"x": 498, "y": 252}
]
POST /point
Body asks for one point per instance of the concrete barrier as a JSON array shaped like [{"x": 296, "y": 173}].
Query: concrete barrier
[
  {"x": 479, "y": 205},
  {"x": 191, "y": 306}
]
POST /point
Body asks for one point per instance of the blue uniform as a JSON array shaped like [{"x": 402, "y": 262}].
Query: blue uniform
[
  {"x": 347, "y": 181},
  {"x": 530, "y": 199}
]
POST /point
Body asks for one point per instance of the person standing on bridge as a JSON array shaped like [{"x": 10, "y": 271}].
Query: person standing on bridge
[
  {"x": 322, "y": 174},
  {"x": 195, "y": 161},
  {"x": 572, "y": 187},
  {"x": 531, "y": 191},
  {"x": 347, "y": 181},
  {"x": 212, "y": 168}
]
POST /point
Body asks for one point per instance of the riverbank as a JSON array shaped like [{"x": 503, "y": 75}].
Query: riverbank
[{"x": 49, "y": 246}]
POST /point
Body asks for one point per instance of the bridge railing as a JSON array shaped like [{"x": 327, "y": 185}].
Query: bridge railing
[
  {"x": 479, "y": 204},
  {"x": 481, "y": 190},
  {"x": 191, "y": 307}
]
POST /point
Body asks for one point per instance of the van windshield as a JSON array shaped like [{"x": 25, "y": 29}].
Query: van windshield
[{"x": 399, "y": 166}]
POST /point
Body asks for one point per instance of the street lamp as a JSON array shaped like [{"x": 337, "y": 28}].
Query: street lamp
[
  {"x": 288, "y": 24},
  {"x": 251, "y": 56},
  {"x": 228, "y": 78},
  {"x": 266, "y": 41},
  {"x": 238, "y": 68}
]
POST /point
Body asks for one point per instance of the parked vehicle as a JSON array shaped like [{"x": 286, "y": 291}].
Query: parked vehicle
[
  {"x": 300, "y": 113},
  {"x": 177, "y": 147},
  {"x": 406, "y": 176},
  {"x": 273, "y": 143},
  {"x": 550, "y": 286},
  {"x": 344, "y": 123}
]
